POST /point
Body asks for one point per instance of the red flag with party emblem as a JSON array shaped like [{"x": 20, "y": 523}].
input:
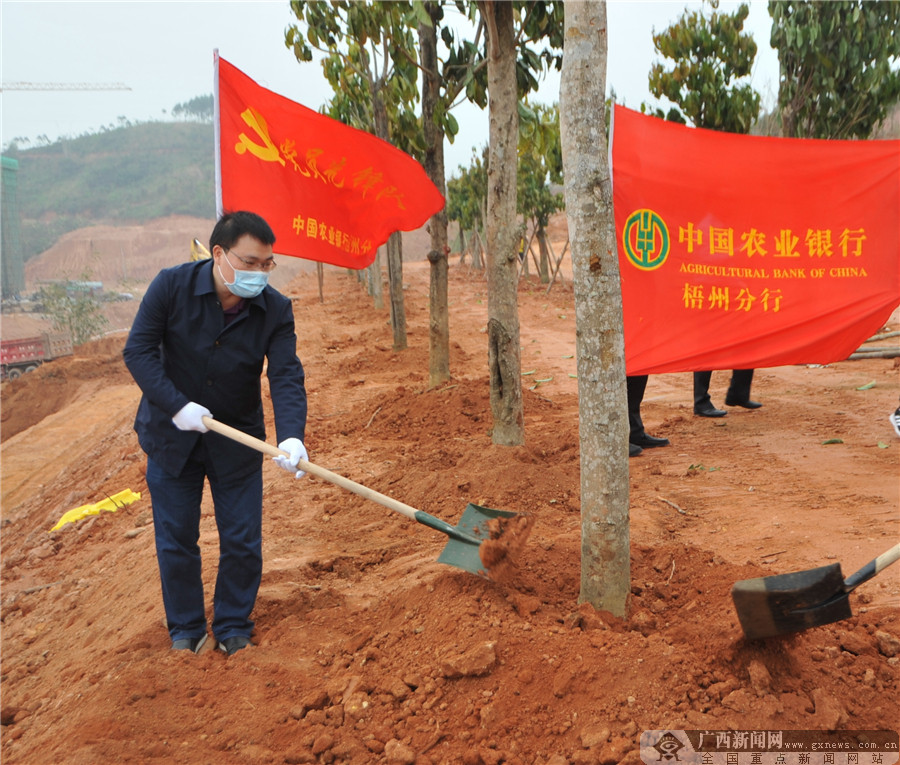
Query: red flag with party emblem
[
  {"x": 330, "y": 192},
  {"x": 739, "y": 251}
]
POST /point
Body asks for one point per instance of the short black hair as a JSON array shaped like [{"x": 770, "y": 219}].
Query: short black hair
[{"x": 232, "y": 226}]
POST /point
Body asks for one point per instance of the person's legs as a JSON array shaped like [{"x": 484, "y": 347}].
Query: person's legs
[
  {"x": 638, "y": 438},
  {"x": 238, "y": 504},
  {"x": 701, "y": 390},
  {"x": 739, "y": 390},
  {"x": 176, "y": 524},
  {"x": 635, "y": 385},
  {"x": 702, "y": 403}
]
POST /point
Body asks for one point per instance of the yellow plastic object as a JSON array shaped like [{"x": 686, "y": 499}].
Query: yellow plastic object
[
  {"x": 111, "y": 504},
  {"x": 198, "y": 251}
]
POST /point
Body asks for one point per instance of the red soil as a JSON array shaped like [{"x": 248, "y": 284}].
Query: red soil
[{"x": 367, "y": 649}]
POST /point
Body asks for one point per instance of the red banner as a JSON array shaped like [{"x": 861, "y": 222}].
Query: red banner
[
  {"x": 740, "y": 251},
  {"x": 330, "y": 192}
]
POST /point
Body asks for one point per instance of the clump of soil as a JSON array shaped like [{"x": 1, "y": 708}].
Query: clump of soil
[{"x": 506, "y": 539}]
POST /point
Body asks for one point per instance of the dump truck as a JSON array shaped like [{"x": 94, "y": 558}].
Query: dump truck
[{"x": 28, "y": 353}]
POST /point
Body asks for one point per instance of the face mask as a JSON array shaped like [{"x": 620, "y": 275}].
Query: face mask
[{"x": 246, "y": 284}]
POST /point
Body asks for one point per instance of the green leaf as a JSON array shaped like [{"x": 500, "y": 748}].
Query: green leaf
[
  {"x": 452, "y": 126},
  {"x": 422, "y": 14},
  {"x": 867, "y": 386},
  {"x": 833, "y": 441},
  {"x": 883, "y": 445}
]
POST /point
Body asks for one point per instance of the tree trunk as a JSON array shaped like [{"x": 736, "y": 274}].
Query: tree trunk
[
  {"x": 374, "y": 281},
  {"x": 504, "y": 352},
  {"x": 602, "y": 409},
  {"x": 395, "y": 280},
  {"x": 477, "y": 251},
  {"x": 545, "y": 254},
  {"x": 524, "y": 254},
  {"x": 395, "y": 267},
  {"x": 438, "y": 309}
]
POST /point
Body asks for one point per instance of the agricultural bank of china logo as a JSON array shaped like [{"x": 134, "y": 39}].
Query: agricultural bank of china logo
[{"x": 646, "y": 240}]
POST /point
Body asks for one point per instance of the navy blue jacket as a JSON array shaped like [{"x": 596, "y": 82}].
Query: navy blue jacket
[{"x": 179, "y": 350}]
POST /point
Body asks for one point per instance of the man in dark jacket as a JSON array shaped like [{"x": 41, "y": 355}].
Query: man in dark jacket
[{"x": 196, "y": 349}]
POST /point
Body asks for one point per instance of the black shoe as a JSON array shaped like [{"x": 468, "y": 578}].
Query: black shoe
[
  {"x": 646, "y": 441},
  {"x": 634, "y": 450},
  {"x": 233, "y": 644},
  {"x": 189, "y": 644},
  {"x": 709, "y": 411},
  {"x": 748, "y": 404}
]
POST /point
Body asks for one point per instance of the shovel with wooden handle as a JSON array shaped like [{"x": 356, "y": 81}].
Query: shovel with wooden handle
[
  {"x": 777, "y": 605},
  {"x": 482, "y": 543}
]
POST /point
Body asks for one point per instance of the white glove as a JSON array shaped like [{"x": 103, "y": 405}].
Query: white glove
[
  {"x": 190, "y": 417},
  {"x": 297, "y": 451}
]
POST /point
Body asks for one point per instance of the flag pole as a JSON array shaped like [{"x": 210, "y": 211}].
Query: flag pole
[{"x": 218, "y": 137}]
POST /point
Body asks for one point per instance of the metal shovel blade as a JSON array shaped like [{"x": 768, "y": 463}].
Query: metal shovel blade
[
  {"x": 464, "y": 548},
  {"x": 777, "y": 605}
]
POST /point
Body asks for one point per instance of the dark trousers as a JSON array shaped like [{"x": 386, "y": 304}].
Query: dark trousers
[
  {"x": 176, "y": 520},
  {"x": 635, "y": 385},
  {"x": 738, "y": 388}
]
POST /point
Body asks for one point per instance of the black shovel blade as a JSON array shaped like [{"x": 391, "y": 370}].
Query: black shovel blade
[{"x": 777, "y": 605}]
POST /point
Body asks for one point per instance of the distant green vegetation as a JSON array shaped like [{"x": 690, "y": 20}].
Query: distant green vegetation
[{"x": 130, "y": 174}]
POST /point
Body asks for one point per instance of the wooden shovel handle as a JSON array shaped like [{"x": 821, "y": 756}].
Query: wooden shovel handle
[
  {"x": 871, "y": 568},
  {"x": 308, "y": 467}
]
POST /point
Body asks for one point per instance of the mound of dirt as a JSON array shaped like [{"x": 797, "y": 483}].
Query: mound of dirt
[{"x": 367, "y": 649}]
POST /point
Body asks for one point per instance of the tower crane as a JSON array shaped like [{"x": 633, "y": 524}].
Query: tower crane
[{"x": 64, "y": 86}]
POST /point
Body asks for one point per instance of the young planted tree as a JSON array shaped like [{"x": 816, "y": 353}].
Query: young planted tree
[
  {"x": 510, "y": 27},
  {"x": 707, "y": 57},
  {"x": 461, "y": 72},
  {"x": 540, "y": 165},
  {"x": 600, "y": 345},
  {"x": 436, "y": 123},
  {"x": 375, "y": 89},
  {"x": 504, "y": 352},
  {"x": 838, "y": 60},
  {"x": 443, "y": 82},
  {"x": 467, "y": 198},
  {"x": 73, "y": 310}
]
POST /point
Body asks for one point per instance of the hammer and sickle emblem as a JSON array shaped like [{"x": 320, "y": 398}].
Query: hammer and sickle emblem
[{"x": 269, "y": 152}]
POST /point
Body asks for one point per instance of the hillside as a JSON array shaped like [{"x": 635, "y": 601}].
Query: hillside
[{"x": 128, "y": 175}]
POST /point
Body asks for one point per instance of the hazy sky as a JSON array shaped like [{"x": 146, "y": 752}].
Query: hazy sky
[{"x": 163, "y": 51}]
